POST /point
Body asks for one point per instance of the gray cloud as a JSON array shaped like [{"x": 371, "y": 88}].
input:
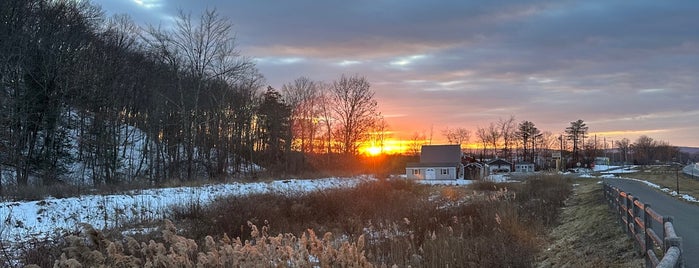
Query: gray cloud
[{"x": 620, "y": 65}]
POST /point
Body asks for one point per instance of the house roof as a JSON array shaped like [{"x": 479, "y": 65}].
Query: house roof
[
  {"x": 440, "y": 153},
  {"x": 499, "y": 161},
  {"x": 442, "y": 164}
]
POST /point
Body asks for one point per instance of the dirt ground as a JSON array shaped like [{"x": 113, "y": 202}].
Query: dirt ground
[{"x": 589, "y": 235}]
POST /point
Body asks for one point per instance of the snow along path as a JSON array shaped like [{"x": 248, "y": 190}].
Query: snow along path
[{"x": 23, "y": 221}]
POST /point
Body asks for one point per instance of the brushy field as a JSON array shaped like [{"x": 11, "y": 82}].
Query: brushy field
[{"x": 378, "y": 224}]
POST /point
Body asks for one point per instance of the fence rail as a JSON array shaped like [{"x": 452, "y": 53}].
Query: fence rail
[{"x": 637, "y": 219}]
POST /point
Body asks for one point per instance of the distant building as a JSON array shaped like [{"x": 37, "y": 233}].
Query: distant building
[
  {"x": 475, "y": 171},
  {"x": 524, "y": 167},
  {"x": 437, "y": 162},
  {"x": 499, "y": 165},
  {"x": 601, "y": 161}
]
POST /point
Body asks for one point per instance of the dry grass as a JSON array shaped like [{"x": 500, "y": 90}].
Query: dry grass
[
  {"x": 405, "y": 223},
  {"x": 375, "y": 224},
  {"x": 589, "y": 235},
  {"x": 91, "y": 249}
]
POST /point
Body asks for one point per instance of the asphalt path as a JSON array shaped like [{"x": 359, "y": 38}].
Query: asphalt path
[{"x": 686, "y": 216}]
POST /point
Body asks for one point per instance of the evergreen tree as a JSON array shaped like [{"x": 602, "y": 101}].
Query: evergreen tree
[
  {"x": 576, "y": 132},
  {"x": 273, "y": 119}
]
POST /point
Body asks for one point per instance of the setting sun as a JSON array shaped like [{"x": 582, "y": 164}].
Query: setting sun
[
  {"x": 373, "y": 150},
  {"x": 390, "y": 146}
]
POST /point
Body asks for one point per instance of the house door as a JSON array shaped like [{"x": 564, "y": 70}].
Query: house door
[{"x": 430, "y": 174}]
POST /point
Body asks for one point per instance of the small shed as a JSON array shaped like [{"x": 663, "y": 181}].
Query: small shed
[
  {"x": 499, "y": 165},
  {"x": 475, "y": 171},
  {"x": 524, "y": 167}
]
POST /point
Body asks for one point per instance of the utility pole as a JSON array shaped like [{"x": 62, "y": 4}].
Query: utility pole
[
  {"x": 677, "y": 177},
  {"x": 560, "y": 138},
  {"x": 612, "y": 149},
  {"x": 605, "y": 146}
]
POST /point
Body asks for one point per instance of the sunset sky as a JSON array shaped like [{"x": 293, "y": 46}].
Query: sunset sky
[{"x": 627, "y": 68}]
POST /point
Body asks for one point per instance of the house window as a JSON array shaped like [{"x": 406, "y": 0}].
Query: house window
[
  {"x": 445, "y": 171},
  {"x": 416, "y": 172}
]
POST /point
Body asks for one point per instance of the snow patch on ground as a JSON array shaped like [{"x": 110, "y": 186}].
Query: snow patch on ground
[
  {"x": 445, "y": 182},
  {"x": 608, "y": 169},
  {"x": 685, "y": 197},
  {"x": 613, "y": 171},
  {"x": 23, "y": 221},
  {"x": 493, "y": 178}
]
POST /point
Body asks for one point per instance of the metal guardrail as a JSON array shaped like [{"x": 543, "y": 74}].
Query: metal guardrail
[{"x": 637, "y": 220}]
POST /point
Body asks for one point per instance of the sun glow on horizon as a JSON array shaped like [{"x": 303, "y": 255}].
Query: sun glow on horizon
[
  {"x": 396, "y": 147},
  {"x": 374, "y": 150},
  {"x": 389, "y": 146}
]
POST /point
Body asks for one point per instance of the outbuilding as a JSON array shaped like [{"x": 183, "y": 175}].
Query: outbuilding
[
  {"x": 524, "y": 167},
  {"x": 499, "y": 165}
]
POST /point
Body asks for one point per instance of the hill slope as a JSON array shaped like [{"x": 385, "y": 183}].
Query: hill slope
[{"x": 589, "y": 235}]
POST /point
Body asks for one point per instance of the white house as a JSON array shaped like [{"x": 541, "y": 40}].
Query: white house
[{"x": 437, "y": 162}]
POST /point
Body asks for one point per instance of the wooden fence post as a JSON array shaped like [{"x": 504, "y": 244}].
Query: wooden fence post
[
  {"x": 665, "y": 243},
  {"x": 629, "y": 217},
  {"x": 648, "y": 224},
  {"x": 620, "y": 213},
  {"x": 636, "y": 228},
  {"x": 635, "y": 214}
]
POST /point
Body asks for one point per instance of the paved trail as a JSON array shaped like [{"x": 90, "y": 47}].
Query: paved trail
[{"x": 686, "y": 215}]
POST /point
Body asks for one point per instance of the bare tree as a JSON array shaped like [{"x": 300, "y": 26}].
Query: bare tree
[
  {"x": 303, "y": 95},
  {"x": 416, "y": 142},
  {"x": 205, "y": 50},
  {"x": 549, "y": 141},
  {"x": 42, "y": 48},
  {"x": 355, "y": 108},
  {"x": 644, "y": 150},
  {"x": 380, "y": 132},
  {"x": 624, "y": 145},
  {"x": 493, "y": 136},
  {"x": 483, "y": 137},
  {"x": 16, "y": 18},
  {"x": 507, "y": 133},
  {"x": 457, "y": 135},
  {"x": 207, "y": 47},
  {"x": 326, "y": 117}
]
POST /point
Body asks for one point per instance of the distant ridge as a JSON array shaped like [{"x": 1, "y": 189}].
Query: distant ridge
[{"x": 689, "y": 150}]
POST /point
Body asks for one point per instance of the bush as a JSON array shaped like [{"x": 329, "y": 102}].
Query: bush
[
  {"x": 91, "y": 249},
  {"x": 336, "y": 210}
]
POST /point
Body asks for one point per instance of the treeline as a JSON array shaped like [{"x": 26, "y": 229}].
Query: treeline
[
  {"x": 106, "y": 101},
  {"x": 524, "y": 142},
  {"x": 645, "y": 150}
]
